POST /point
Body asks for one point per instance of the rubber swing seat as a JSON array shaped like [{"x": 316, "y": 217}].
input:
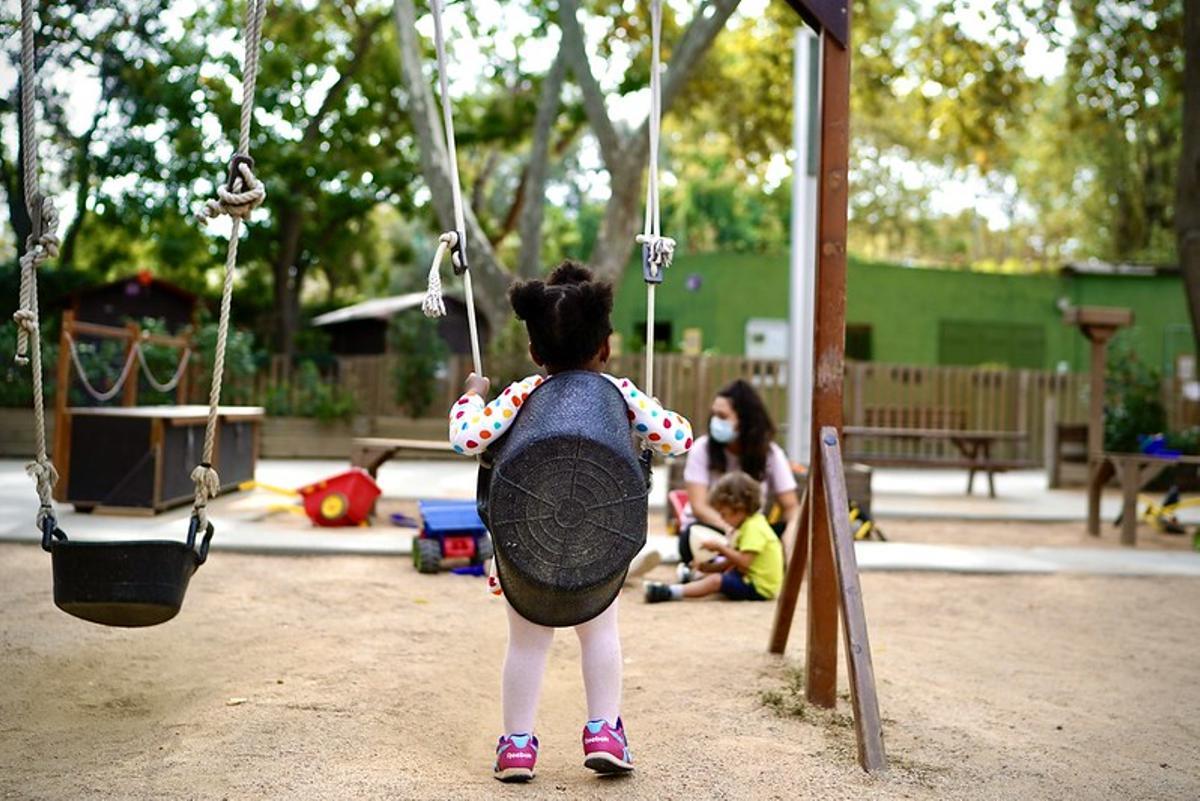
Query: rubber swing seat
[
  {"x": 126, "y": 584},
  {"x": 564, "y": 496}
]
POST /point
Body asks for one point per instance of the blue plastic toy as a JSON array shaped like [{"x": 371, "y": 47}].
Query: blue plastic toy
[{"x": 452, "y": 536}]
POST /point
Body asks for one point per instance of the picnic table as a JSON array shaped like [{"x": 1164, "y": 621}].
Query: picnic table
[
  {"x": 975, "y": 448},
  {"x": 1134, "y": 471},
  {"x": 370, "y": 453}
]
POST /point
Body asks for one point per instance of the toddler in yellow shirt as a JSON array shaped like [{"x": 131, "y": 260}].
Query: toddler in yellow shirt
[{"x": 750, "y": 565}]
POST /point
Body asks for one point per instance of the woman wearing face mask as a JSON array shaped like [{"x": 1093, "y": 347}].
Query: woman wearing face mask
[{"x": 741, "y": 436}]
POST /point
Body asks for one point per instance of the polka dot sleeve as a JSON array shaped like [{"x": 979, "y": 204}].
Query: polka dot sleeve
[
  {"x": 474, "y": 424},
  {"x": 659, "y": 429}
]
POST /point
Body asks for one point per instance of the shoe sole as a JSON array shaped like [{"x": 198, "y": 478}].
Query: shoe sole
[
  {"x": 513, "y": 775},
  {"x": 607, "y": 764}
]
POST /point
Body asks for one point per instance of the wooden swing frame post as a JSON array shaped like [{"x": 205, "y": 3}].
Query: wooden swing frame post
[{"x": 824, "y": 544}]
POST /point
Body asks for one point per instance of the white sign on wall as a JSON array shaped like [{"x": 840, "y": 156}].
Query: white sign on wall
[{"x": 766, "y": 338}]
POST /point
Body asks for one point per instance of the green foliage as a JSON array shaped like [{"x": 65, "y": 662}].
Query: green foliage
[
  {"x": 1133, "y": 404},
  {"x": 241, "y": 363},
  {"x": 420, "y": 357},
  {"x": 16, "y": 385},
  {"x": 310, "y": 395}
]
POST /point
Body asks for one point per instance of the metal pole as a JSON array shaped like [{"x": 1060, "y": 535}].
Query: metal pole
[{"x": 806, "y": 136}]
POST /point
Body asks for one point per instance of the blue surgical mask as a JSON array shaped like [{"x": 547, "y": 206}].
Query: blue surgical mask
[{"x": 721, "y": 429}]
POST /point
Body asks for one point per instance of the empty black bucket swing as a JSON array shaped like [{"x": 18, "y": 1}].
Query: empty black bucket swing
[
  {"x": 564, "y": 496},
  {"x": 129, "y": 584}
]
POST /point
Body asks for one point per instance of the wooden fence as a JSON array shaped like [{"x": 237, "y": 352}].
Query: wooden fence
[{"x": 875, "y": 395}]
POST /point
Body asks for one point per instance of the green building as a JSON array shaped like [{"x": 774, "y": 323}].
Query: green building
[{"x": 909, "y": 315}]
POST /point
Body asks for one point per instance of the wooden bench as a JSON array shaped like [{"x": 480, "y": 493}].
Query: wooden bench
[
  {"x": 915, "y": 417},
  {"x": 974, "y": 448},
  {"x": 370, "y": 453}
]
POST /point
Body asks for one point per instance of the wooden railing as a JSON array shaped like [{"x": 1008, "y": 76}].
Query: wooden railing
[{"x": 875, "y": 395}]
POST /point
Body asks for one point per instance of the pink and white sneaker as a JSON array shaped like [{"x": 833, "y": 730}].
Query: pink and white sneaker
[
  {"x": 605, "y": 749},
  {"x": 516, "y": 754}
]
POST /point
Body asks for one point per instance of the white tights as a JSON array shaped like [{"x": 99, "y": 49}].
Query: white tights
[{"x": 525, "y": 663}]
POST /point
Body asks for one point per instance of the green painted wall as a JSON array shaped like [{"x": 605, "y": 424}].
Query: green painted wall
[{"x": 908, "y": 309}]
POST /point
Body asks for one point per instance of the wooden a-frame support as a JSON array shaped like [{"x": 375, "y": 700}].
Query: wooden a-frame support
[{"x": 824, "y": 544}]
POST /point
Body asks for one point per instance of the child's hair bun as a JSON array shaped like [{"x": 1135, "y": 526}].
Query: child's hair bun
[
  {"x": 528, "y": 298},
  {"x": 570, "y": 272}
]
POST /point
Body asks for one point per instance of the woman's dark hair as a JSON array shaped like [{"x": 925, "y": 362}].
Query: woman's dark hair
[
  {"x": 756, "y": 431},
  {"x": 567, "y": 315}
]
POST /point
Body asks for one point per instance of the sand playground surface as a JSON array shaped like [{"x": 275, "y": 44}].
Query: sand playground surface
[{"x": 356, "y": 677}]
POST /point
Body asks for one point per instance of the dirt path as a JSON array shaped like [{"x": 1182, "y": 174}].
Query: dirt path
[{"x": 350, "y": 677}]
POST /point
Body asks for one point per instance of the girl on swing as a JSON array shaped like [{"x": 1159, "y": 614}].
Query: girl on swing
[{"x": 567, "y": 317}]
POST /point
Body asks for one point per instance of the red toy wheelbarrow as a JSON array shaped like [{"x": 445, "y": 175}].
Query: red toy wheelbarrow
[{"x": 342, "y": 500}]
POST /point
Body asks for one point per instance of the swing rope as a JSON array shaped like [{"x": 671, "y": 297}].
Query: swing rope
[
  {"x": 163, "y": 386},
  {"x": 42, "y": 244},
  {"x": 455, "y": 241},
  {"x": 116, "y": 386},
  {"x": 238, "y": 198},
  {"x": 657, "y": 250}
]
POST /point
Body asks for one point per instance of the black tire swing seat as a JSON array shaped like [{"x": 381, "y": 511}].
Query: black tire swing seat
[
  {"x": 127, "y": 584},
  {"x": 564, "y": 496}
]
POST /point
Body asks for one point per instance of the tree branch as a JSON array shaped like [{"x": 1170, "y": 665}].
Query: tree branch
[
  {"x": 491, "y": 278},
  {"x": 362, "y": 44},
  {"x": 534, "y": 183},
  {"x": 574, "y": 49},
  {"x": 686, "y": 55}
]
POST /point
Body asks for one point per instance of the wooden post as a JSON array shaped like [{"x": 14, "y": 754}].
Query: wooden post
[
  {"x": 868, "y": 724},
  {"x": 130, "y": 392},
  {"x": 62, "y": 395},
  {"x": 828, "y": 362},
  {"x": 785, "y": 608},
  {"x": 1099, "y": 324}
]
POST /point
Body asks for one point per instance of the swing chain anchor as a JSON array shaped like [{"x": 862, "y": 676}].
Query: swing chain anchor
[
  {"x": 235, "y": 166},
  {"x": 657, "y": 254},
  {"x": 458, "y": 250},
  {"x": 50, "y": 529},
  {"x": 193, "y": 530}
]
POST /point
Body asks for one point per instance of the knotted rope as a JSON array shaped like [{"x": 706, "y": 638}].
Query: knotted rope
[
  {"x": 658, "y": 250},
  {"x": 238, "y": 198},
  {"x": 242, "y": 194},
  {"x": 455, "y": 241},
  {"x": 41, "y": 244},
  {"x": 433, "y": 305}
]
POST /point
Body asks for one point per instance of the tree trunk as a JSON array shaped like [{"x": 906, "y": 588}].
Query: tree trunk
[
  {"x": 529, "y": 261},
  {"x": 284, "y": 270},
  {"x": 83, "y": 190},
  {"x": 15, "y": 187},
  {"x": 626, "y": 158},
  {"x": 1187, "y": 198},
  {"x": 615, "y": 243},
  {"x": 490, "y": 278}
]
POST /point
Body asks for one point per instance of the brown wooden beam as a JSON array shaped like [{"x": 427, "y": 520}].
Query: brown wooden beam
[
  {"x": 828, "y": 363},
  {"x": 785, "y": 607},
  {"x": 868, "y": 724}
]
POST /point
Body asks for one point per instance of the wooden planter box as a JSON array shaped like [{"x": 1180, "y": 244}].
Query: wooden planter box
[{"x": 139, "y": 459}]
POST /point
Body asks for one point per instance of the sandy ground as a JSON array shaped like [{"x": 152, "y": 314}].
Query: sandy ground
[{"x": 351, "y": 677}]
